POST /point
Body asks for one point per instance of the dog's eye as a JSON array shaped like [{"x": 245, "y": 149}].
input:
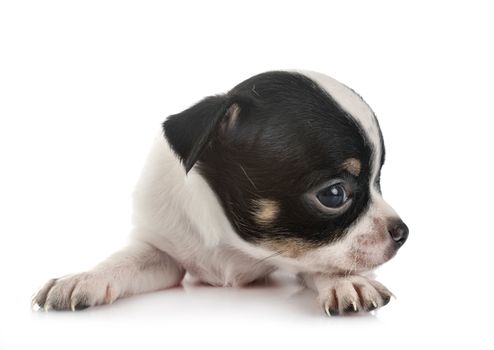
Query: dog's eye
[{"x": 333, "y": 196}]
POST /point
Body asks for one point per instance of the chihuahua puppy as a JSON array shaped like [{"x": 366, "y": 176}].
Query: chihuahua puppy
[{"x": 281, "y": 172}]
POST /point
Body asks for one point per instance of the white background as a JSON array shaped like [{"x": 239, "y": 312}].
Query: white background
[{"x": 84, "y": 86}]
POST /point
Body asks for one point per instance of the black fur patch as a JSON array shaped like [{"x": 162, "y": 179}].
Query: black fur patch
[{"x": 289, "y": 138}]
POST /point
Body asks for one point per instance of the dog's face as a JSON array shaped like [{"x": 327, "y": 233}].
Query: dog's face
[{"x": 295, "y": 161}]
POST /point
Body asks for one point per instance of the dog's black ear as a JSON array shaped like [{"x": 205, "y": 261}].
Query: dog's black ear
[{"x": 190, "y": 131}]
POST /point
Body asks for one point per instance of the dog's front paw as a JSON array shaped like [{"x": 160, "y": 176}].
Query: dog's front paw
[
  {"x": 75, "y": 292},
  {"x": 351, "y": 294}
]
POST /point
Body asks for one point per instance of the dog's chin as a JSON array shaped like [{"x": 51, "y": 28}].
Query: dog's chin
[
  {"x": 342, "y": 259},
  {"x": 362, "y": 260}
]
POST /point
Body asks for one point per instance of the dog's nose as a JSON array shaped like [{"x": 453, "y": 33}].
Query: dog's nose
[{"x": 399, "y": 232}]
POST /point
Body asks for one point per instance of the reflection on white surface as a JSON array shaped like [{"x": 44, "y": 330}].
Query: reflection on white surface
[
  {"x": 194, "y": 313},
  {"x": 275, "y": 312}
]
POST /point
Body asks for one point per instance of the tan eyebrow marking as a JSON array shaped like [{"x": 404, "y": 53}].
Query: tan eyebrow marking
[
  {"x": 266, "y": 210},
  {"x": 352, "y": 165}
]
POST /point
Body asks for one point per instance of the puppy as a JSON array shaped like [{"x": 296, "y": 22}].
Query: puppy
[{"x": 282, "y": 172}]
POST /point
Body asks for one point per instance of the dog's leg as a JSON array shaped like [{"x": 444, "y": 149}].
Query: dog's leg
[
  {"x": 136, "y": 269},
  {"x": 339, "y": 294}
]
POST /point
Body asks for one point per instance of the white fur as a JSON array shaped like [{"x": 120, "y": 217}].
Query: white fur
[
  {"x": 137, "y": 268},
  {"x": 353, "y": 292}
]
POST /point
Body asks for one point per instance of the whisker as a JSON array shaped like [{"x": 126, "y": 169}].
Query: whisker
[
  {"x": 248, "y": 178},
  {"x": 266, "y": 258}
]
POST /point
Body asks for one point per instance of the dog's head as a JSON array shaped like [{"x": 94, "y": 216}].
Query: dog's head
[{"x": 295, "y": 161}]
